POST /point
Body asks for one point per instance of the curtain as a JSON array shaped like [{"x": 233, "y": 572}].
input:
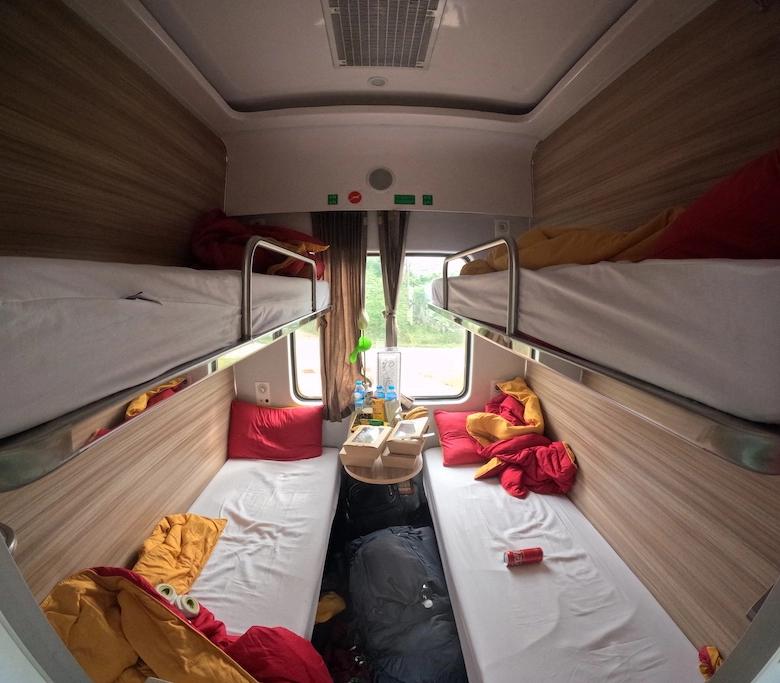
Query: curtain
[
  {"x": 345, "y": 270},
  {"x": 392, "y": 248}
]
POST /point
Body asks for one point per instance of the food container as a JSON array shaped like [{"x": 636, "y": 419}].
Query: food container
[
  {"x": 364, "y": 445},
  {"x": 407, "y": 437},
  {"x": 404, "y": 462}
]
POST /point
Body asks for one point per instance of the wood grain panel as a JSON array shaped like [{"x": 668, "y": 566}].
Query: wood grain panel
[
  {"x": 694, "y": 109},
  {"x": 97, "y": 161},
  {"x": 702, "y": 534},
  {"x": 98, "y": 508}
]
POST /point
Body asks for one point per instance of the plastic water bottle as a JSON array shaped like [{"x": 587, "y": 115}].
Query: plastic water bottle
[
  {"x": 359, "y": 395},
  {"x": 391, "y": 403},
  {"x": 380, "y": 391}
]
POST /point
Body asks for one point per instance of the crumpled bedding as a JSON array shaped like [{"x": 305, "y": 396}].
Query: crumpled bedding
[
  {"x": 554, "y": 246},
  {"x": 511, "y": 441},
  {"x": 514, "y": 411},
  {"x": 121, "y": 630}
]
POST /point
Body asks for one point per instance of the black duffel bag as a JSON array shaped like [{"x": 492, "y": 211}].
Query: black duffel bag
[{"x": 401, "y": 608}]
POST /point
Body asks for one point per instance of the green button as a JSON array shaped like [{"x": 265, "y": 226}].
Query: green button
[
  {"x": 427, "y": 200},
  {"x": 333, "y": 199},
  {"x": 404, "y": 199}
]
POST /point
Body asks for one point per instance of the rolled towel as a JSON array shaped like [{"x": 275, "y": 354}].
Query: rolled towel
[
  {"x": 167, "y": 591},
  {"x": 188, "y": 605}
]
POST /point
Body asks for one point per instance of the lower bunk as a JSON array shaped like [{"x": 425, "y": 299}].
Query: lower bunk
[
  {"x": 580, "y": 615},
  {"x": 267, "y": 565},
  {"x": 228, "y": 592}
]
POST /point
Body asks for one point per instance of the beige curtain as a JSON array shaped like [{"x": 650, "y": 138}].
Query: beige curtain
[
  {"x": 392, "y": 248},
  {"x": 345, "y": 270}
]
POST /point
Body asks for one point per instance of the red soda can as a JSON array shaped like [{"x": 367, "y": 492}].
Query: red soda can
[{"x": 513, "y": 558}]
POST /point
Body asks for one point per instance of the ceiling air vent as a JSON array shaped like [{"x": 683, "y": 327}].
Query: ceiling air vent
[{"x": 398, "y": 33}]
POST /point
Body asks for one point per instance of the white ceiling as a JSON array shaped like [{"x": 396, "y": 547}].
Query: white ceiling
[{"x": 490, "y": 55}]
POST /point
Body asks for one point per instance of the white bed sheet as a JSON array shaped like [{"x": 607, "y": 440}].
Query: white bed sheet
[
  {"x": 68, "y": 335},
  {"x": 580, "y": 615},
  {"x": 266, "y": 568},
  {"x": 706, "y": 329}
]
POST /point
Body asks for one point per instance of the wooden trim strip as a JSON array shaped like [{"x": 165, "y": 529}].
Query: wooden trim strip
[{"x": 98, "y": 508}]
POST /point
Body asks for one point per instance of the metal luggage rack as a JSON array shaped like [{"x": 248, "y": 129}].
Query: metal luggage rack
[
  {"x": 30, "y": 455},
  {"x": 752, "y": 445}
]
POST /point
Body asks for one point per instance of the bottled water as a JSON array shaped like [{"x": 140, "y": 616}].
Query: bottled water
[
  {"x": 358, "y": 396},
  {"x": 391, "y": 403}
]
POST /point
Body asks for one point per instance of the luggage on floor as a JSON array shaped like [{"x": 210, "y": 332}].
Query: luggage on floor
[
  {"x": 401, "y": 608},
  {"x": 370, "y": 507}
]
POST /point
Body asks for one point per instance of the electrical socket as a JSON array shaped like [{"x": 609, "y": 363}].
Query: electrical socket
[
  {"x": 262, "y": 393},
  {"x": 501, "y": 227}
]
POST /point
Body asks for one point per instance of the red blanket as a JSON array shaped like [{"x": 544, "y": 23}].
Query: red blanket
[
  {"x": 530, "y": 462},
  {"x": 218, "y": 242},
  {"x": 527, "y": 462}
]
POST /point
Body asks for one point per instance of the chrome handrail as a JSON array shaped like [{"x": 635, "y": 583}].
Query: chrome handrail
[
  {"x": 246, "y": 278},
  {"x": 9, "y": 536},
  {"x": 513, "y": 263}
]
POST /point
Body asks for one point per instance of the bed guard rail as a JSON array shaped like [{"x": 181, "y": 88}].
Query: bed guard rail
[
  {"x": 9, "y": 537},
  {"x": 246, "y": 277},
  {"x": 751, "y": 445},
  {"x": 514, "y": 277}
]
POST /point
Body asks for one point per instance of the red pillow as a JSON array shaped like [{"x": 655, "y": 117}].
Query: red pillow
[
  {"x": 456, "y": 444},
  {"x": 274, "y": 433},
  {"x": 739, "y": 218}
]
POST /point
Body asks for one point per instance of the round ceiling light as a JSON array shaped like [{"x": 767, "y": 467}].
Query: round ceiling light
[
  {"x": 380, "y": 179},
  {"x": 377, "y": 81}
]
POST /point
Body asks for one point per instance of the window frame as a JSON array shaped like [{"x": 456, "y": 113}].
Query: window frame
[{"x": 467, "y": 352}]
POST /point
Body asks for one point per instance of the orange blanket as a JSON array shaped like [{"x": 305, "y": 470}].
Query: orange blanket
[
  {"x": 505, "y": 419},
  {"x": 554, "y": 246}
]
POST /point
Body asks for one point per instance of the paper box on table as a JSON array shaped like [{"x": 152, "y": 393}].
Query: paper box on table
[
  {"x": 364, "y": 445},
  {"x": 407, "y": 437}
]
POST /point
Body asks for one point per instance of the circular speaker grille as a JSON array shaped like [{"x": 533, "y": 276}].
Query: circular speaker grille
[{"x": 380, "y": 178}]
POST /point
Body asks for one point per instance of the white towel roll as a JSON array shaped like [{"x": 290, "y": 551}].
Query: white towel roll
[
  {"x": 167, "y": 591},
  {"x": 188, "y": 605}
]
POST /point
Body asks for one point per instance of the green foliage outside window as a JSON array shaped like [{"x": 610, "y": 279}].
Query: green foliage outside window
[{"x": 417, "y": 325}]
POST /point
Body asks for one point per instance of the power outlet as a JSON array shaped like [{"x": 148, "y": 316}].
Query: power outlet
[
  {"x": 263, "y": 393},
  {"x": 501, "y": 227}
]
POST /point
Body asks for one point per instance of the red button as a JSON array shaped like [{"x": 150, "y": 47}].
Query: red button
[{"x": 354, "y": 197}]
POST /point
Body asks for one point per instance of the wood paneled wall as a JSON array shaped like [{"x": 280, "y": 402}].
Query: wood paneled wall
[
  {"x": 701, "y": 533},
  {"x": 98, "y": 508},
  {"x": 97, "y": 161},
  {"x": 697, "y": 107}
]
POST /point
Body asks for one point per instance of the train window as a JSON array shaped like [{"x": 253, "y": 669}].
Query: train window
[{"x": 435, "y": 353}]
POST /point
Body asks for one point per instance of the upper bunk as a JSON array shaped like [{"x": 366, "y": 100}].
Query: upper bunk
[
  {"x": 82, "y": 339},
  {"x": 688, "y": 344}
]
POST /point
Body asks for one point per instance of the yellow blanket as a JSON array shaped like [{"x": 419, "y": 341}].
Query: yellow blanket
[
  {"x": 542, "y": 247},
  {"x": 121, "y": 634},
  {"x": 178, "y": 549},
  {"x": 486, "y": 428}
]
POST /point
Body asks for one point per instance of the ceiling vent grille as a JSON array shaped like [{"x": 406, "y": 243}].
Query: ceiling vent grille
[{"x": 395, "y": 33}]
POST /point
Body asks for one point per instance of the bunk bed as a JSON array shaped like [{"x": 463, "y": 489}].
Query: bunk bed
[
  {"x": 704, "y": 368},
  {"x": 267, "y": 565},
  {"x": 81, "y": 339}
]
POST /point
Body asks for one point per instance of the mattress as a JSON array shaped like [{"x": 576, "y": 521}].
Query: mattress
[
  {"x": 266, "y": 568},
  {"x": 580, "y": 615},
  {"x": 69, "y": 335},
  {"x": 705, "y": 329}
]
